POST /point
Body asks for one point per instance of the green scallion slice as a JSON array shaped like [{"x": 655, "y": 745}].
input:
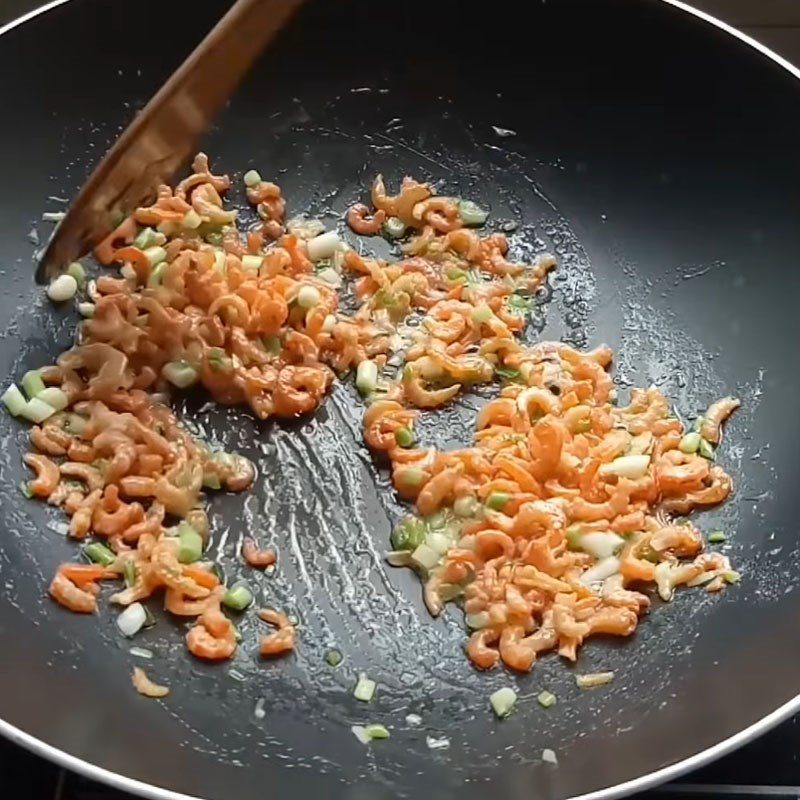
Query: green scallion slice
[
  {"x": 78, "y": 272},
  {"x": 497, "y": 500},
  {"x": 98, "y": 553},
  {"x": 574, "y": 533},
  {"x": 706, "y": 450},
  {"x": 404, "y": 437},
  {"x": 507, "y": 373},
  {"x": 394, "y": 227},
  {"x": 471, "y": 213},
  {"x": 129, "y": 572},
  {"x": 333, "y": 658},
  {"x": 32, "y": 383},
  {"x": 690, "y": 442},
  {"x": 503, "y": 701},
  {"x": 25, "y": 488},
  {"x": 376, "y": 731},
  {"x": 238, "y": 597},
  {"x": 190, "y": 547},
  {"x": 409, "y": 534},
  {"x": 14, "y": 400},
  {"x": 546, "y": 699},
  {"x": 732, "y": 576},
  {"x": 717, "y": 537}
]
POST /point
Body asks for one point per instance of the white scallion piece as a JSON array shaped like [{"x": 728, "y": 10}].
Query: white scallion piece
[
  {"x": 251, "y": 263},
  {"x": 632, "y": 467},
  {"x": 86, "y": 309},
  {"x": 308, "y": 296},
  {"x": 503, "y": 701},
  {"x": 425, "y": 557},
  {"x": 252, "y": 178},
  {"x": 331, "y": 277},
  {"x": 141, "y": 652},
  {"x": 328, "y": 323},
  {"x": 258, "y": 711},
  {"x": 437, "y": 743},
  {"x": 367, "y": 377},
  {"x": 477, "y": 621},
  {"x": 191, "y": 220},
  {"x": 54, "y": 216},
  {"x": 439, "y": 542},
  {"x": 365, "y": 689},
  {"x": 131, "y": 620},
  {"x": 304, "y": 228},
  {"x": 600, "y": 571},
  {"x": 37, "y": 410},
  {"x": 155, "y": 255},
  {"x": 549, "y": 757},
  {"x": 414, "y": 720},
  {"x": 601, "y": 544},
  {"x": 323, "y": 246},
  {"x": 180, "y": 374},
  {"x": 594, "y": 679},
  {"x": 360, "y": 732},
  {"x": 54, "y": 397},
  {"x": 63, "y": 288}
]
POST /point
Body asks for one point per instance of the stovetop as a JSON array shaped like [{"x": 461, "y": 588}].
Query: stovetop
[{"x": 766, "y": 768}]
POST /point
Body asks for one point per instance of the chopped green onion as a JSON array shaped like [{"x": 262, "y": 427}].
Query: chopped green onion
[
  {"x": 148, "y": 237},
  {"x": 238, "y": 597},
  {"x": 706, "y": 450},
  {"x": 507, "y": 373},
  {"x": 376, "y": 732},
  {"x": 272, "y": 344},
  {"x": 690, "y": 442},
  {"x": 456, "y": 274},
  {"x": 365, "y": 689},
  {"x": 698, "y": 423},
  {"x": 497, "y": 500},
  {"x": 155, "y": 255},
  {"x": 32, "y": 383},
  {"x": 180, "y": 373},
  {"x": 154, "y": 279},
  {"x": 594, "y": 679},
  {"x": 251, "y": 263},
  {"x": 503, "y": 701},
  {"x": 732, "y": 576},
  {"x": 333, "y": 658},
  {"x": 37, "y": 410},
  {"x": 409, "y": 534},
  {"x": 211, "y": 480},
  {"x": 367, "y": 377},
  {"x": 129, "y": 572},
  {"x": 546, "y": 699},
  {"x": 14, "y": 400},
  {"x": 63, "y": 288},
  {"x": 25, "y": 488},
  {"x": 308, "y": 296},
  {"x": 220, "y": 261},
  {"x": 251, "y": 178},
  {"x": 482, "y": 314},
  {"x": 218, "y": 360},
  {"x": 328, "y": 323},
  {"x": 191, "y": 220},
  {"x": 394, "y": 227},
  {"x": 574, "y": 533},
  {"x": 411, "y": 476},
  {"x": 54, "y": 397},
  {"x": 518, "y": 304},
  {"x": 78, "y": 272},
  {"x": 404, "y": 437},
  {"x": 471, "y": 213},
  {"x": 190, "y": 547},
  {"x": 330, "y": 276},
  {"x": 99, "y": 554},
  {"x": 717, "y": 537}
]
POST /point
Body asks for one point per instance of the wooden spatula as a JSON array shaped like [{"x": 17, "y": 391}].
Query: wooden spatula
[{"x": 163, "y": 136}]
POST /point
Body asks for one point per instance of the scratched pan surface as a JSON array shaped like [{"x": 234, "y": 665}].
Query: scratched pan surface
[{"x": 656, "y": 156}]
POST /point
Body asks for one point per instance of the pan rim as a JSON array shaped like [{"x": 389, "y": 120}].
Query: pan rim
[{"x": 151, "y": 792}]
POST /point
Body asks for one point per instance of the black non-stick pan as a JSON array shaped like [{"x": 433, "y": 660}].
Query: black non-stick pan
[{"x": 657, "y": 157}]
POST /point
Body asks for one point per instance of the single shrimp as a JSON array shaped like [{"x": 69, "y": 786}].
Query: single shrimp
[
  {"x": 718, "y": 412},
  {"x": 47, "y": 474},
  {"x": 145, "y": 686},
  {"x": 357, "y": 219},
  {"x": 514, "y": 652},
  {"x": 282, "y": 640},
  {"x": 67, "y": 594},
  {"x": 255, "y": 556},
  {"x": 213, "y": 637},
  {"x": 300, "y": 390},
  {"x": 438, "y": 490},
  {"x": 479, "y": 650}
]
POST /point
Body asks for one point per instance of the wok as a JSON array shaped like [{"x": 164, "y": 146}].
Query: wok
[{"x": 655, "y": 154}]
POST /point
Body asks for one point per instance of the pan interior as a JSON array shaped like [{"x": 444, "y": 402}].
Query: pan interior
[{"x": 672, "y": 218}]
